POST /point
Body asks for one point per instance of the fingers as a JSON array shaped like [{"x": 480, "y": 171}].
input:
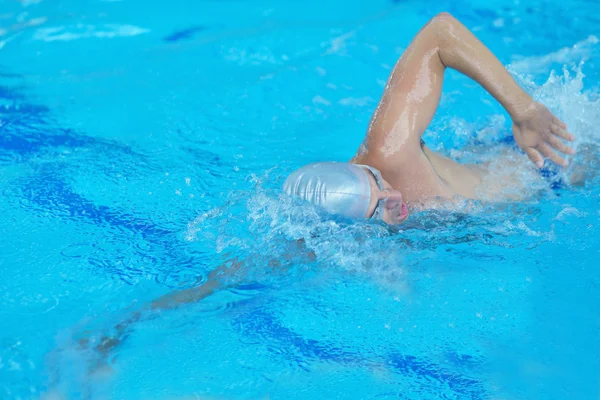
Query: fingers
[
  {"x": 560, "y": 129},
  {"x": 535, "y": 157},
  {"x": 559, "y": 123},
  {"x": 559, "y": 145},
  {"x": 547, "y": 151}
]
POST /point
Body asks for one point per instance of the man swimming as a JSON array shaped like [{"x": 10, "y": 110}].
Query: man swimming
[{"x": 393, "y": 169}]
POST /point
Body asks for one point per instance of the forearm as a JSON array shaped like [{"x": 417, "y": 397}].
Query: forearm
[
  {"x": 227, "y": 275},
  {"x": 461, "y": 50},
  {"x": 177, "y": 298},
  {"x": 169, "y": 301},
  {"x": 231, "y": 274}
]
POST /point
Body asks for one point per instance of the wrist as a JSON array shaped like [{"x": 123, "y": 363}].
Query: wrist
[{"x": 521, "y": 108}]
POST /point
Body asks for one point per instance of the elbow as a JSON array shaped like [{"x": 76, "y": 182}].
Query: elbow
[
  {"x": 443, "y": 17},
  {"x": 443, "y": 26},
  {"x": 443, "y": 22}
]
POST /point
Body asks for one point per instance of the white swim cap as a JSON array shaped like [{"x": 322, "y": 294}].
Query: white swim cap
[{"x": 340, "y": 188}]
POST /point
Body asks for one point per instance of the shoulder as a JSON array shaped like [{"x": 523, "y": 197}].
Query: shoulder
[{"x": 412, "y": 174}]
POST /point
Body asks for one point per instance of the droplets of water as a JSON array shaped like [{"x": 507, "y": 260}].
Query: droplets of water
[
  {"x": 267, "y": 228},
  {"x": 264, "y": 228},
  {"x": 567, "y": 212}
]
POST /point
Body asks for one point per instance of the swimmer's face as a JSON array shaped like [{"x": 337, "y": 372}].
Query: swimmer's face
[{"x": 394, "y": 210}]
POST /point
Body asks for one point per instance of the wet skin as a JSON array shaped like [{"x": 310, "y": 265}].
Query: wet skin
[{"x": 392, "y": 144}]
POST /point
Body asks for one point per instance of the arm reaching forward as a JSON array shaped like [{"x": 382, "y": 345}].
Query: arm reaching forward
[{"x": 230, "y": 274}]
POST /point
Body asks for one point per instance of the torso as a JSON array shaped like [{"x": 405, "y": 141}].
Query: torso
[{"x": 461, "y": 179}]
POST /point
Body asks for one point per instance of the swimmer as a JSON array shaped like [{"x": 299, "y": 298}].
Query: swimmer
[{"x": 393, "y": 169}]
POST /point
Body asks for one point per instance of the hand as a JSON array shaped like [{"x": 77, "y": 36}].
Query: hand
[{"x": 538, "y": 132}]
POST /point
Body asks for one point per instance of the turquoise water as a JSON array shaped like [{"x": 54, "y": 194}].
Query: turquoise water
[{"x": 142, "y": 144}]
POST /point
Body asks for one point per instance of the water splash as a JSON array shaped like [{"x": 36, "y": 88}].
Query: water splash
[
  {"x": 271, "y": 228},
  {"x": 567, "y": 55}
]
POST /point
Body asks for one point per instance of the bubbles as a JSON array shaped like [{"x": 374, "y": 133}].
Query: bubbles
[
  {"x": 510, "y": 176},
  {"x": 569, "y": 212},
  {"x": 266, "y": 228},
  {"x": 357, "y": 246}
]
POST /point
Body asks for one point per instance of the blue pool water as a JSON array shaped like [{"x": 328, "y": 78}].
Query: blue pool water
[{"x": 142, "y": 145}]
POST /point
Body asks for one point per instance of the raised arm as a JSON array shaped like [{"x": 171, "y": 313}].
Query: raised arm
[{"x": 414, "y": 88}]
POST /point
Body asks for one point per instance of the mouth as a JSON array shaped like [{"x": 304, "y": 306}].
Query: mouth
[{"x": 404, "y": 212}]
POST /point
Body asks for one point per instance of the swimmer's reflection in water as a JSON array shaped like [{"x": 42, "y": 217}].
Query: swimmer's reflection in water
[{"x": 393, "y": 171}]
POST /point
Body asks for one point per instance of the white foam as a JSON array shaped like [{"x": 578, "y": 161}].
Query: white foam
[
  {"x": 579, "y": 51},
  {"x": 580, "y": 110},
  {"x": 569, "y": 211},
  {"x": 354, "y": 247},
  {"x": 80, "y": 31}
]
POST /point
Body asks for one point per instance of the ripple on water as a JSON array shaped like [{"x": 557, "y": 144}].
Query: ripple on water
[
  {"x": 17, "y": 370},
  {"x": 27, "y": 299}
]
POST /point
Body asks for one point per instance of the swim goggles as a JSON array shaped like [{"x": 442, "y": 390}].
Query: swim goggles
[{"x": 377, "y": 213}]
